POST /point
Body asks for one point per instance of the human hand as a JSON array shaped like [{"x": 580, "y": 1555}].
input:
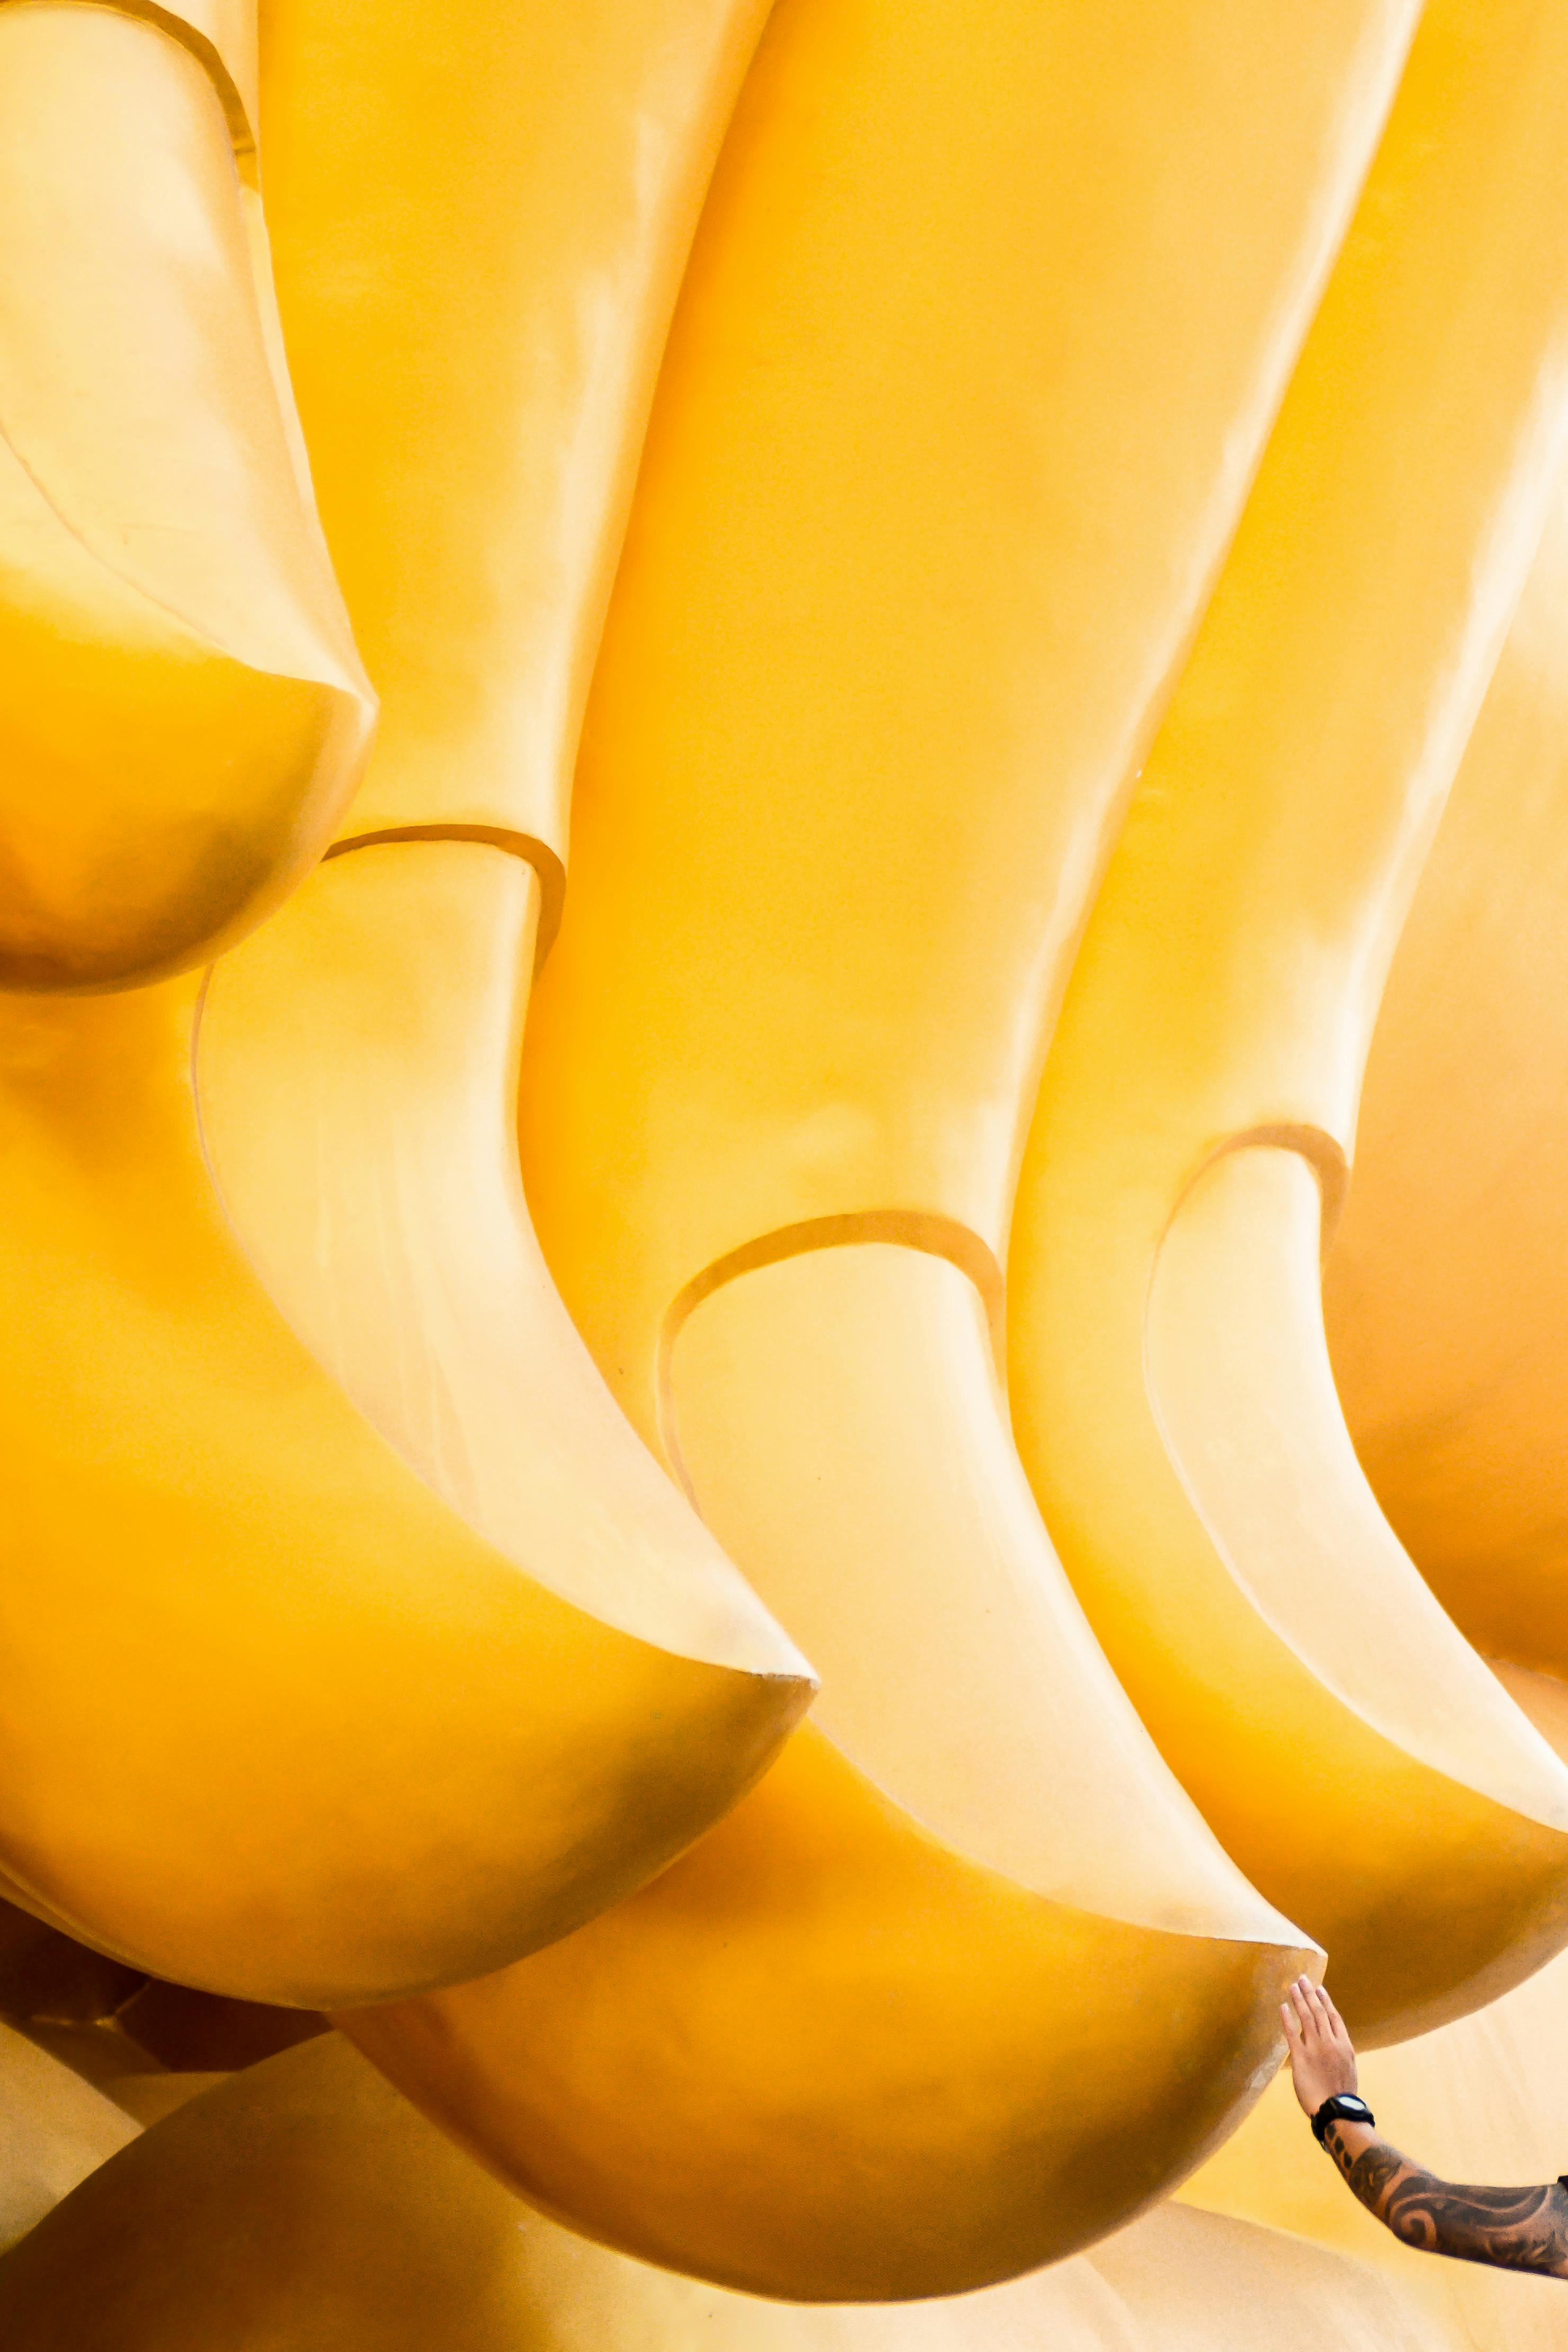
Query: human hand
[{"x": 1322, "y": 2057}]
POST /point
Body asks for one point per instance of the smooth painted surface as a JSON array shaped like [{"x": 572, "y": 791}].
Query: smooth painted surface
[
  {"x": 1448, "y": 1287},
  {"x": 1225, "y": 993},
  {"x": 966, "y": 1981},
  {"x": 848, "y": 770},
  {"x": 182, "y": 716},
  {"x": 356, "y": 1065},
  {"x": 381, "y": 2237},
  {"x": 350, "y": 1645},
  {"x": 986, "y": 321},
  {"x": 275, "y": 1720},
  {"x": 476, "y": 260}
]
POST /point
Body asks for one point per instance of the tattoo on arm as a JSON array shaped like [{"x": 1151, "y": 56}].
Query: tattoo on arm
[{"x": 1515, "y": 2229}]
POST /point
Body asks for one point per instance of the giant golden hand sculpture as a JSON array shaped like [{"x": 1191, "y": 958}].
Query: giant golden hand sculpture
[{"x": 922, "y": 578}]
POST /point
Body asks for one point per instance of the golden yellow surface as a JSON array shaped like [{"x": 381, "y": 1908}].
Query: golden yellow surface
[
  {"x": 418, "y": 1754},
  {"x": 222, "y": 35},
  {"x": 476, "y": 260},
  {"x": 1170, "y": 1380},
  {"x": 1446, "y": 1287},
  {"x": 901, "y": 544},
  {"x": 380, "y": 2236},
  {"x": 355, "y": 1068},
  {"x": 183, "y": 714},
  {"x": 230, "y": 1736},
  {"x": 828, "y": 2056},
  {"x": 987, "y": 319},
  {"x": 819, "y": 903}
]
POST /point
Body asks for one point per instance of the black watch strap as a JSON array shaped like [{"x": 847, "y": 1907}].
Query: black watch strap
[{"x": 1345, "y": 2107}]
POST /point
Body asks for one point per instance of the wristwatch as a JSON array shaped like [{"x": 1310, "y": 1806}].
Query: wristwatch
[{"x": 1345, "y": 2107}]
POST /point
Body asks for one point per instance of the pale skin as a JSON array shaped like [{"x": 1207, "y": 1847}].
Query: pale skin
[{"x": 1515, "y": 2229}]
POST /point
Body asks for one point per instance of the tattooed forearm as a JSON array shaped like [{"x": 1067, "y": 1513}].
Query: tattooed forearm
[{"x": 1517, "y": 2229}]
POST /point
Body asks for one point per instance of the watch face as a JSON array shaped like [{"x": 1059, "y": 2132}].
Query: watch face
[{"x": 1350, "y": 2105}]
